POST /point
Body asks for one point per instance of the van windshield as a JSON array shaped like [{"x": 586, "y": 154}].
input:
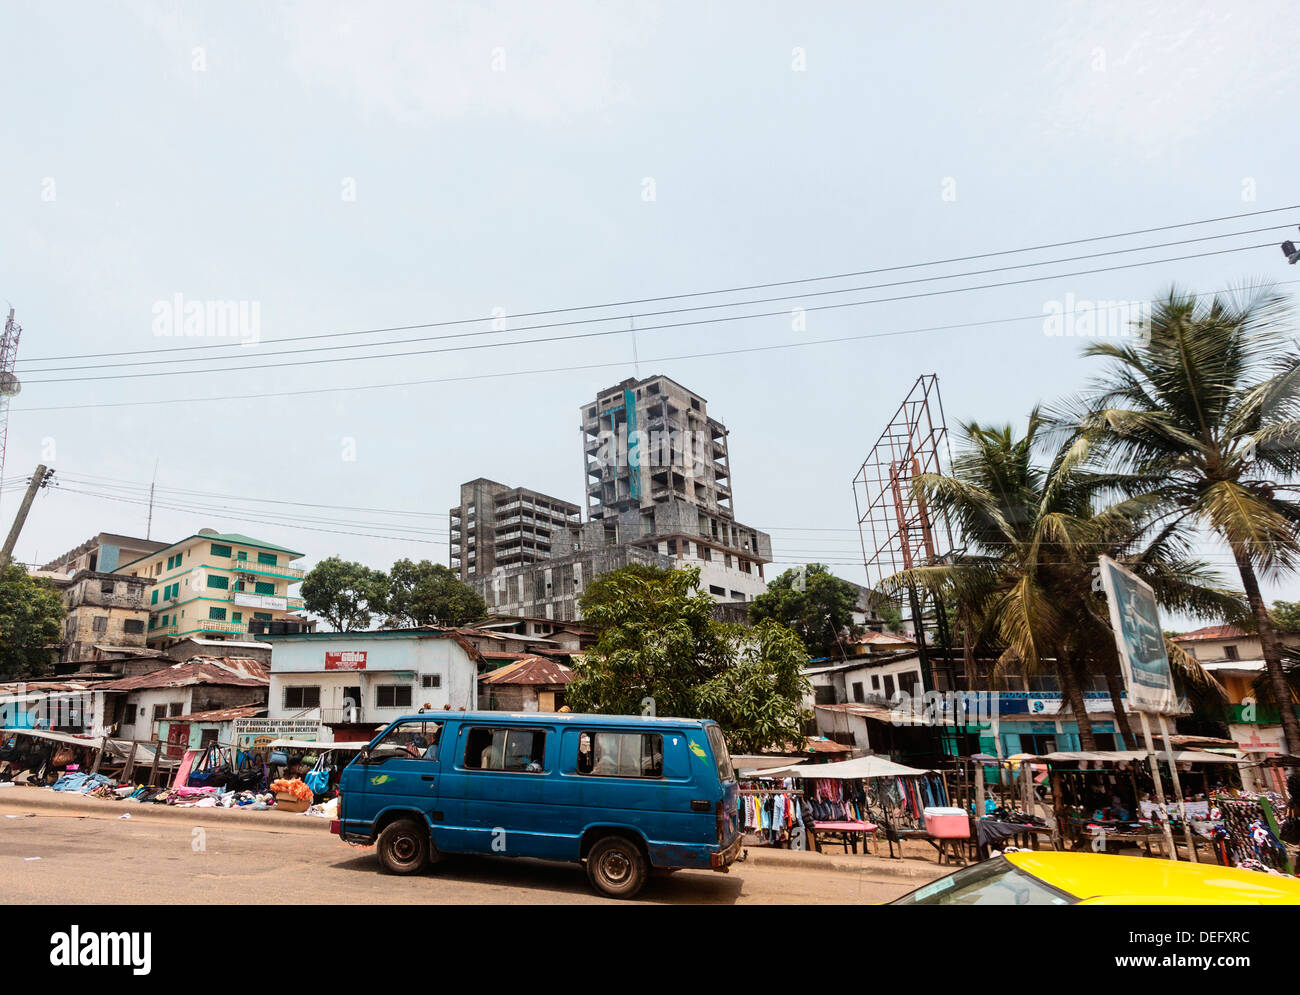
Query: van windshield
[{"x": 721, "y": 755}]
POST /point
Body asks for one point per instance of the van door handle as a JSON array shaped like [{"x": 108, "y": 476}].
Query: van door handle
[
  {"x": 701, "y": 805},
  {"x": 428, "y": 777}
]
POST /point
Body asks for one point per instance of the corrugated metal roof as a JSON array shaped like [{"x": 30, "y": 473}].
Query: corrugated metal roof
[
  {"x": 230, "y": 670},
  {"x": 1211, "y": 632},
  {"x": 530, "y": 670}
]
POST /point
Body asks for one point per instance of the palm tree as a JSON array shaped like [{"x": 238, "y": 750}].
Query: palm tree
[
  {"x": 1207, "y": 402},
  {"x": 1025, "y": 581}
]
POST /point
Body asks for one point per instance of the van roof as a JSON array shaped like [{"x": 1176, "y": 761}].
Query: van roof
[{"x": 567, "y": 718}]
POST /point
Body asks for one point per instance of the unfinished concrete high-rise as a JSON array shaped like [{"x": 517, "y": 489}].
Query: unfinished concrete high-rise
[
  {"x": 658, "y": 475},
  {"x": 496, "y": 526},
  {"x": 658, "y": 492},
  {"x": 651, "y": 441}
]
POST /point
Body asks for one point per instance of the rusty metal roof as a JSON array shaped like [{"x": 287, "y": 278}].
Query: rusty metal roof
[
  {"x": 229, "y": 670},
  {"x": 530, "y": 670},
  {"x": 1211, "y": 632}
]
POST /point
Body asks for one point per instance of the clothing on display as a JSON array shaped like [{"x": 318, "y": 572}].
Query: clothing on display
[
  {"x": 771, "y": 811},
  {"x": 1246, "y": 837}
]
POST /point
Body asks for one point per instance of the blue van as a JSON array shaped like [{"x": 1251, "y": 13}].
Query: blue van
[{"x": 622, "y": 794}]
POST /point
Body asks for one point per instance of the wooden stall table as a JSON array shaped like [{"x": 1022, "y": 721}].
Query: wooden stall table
[
  {"x": 951, "y": 849},
  {"x": 846, "y": 834},
  {"x": 1146, "y": 840}
]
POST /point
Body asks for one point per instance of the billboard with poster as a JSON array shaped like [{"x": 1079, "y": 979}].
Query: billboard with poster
[{"x": 1135, "y": 618}]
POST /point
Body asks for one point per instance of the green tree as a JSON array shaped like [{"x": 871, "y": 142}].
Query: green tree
[
  {"x": 814, "y": 603},
  {"x": 31, "y": 623},
  {"x": 758, "y": 700},
  {"x": 428, "y": 593},
  {"x": 346, "y": 594},
  {"x": 1208, "y": 403},
  {"x": 891, "y": 616},
  {"x": 1286, "y": 615},
  {"x": 660, "y": 648}
]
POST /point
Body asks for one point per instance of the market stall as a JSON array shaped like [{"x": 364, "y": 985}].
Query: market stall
[
  {"x": 318, "y": 765},
  {"x": 859, "y": 796},
  {"x": 1107, "y": 799},
  {"x": 44, "y": 755}
]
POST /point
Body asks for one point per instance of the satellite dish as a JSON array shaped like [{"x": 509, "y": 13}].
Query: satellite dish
[{"x": 9, "y": 385}]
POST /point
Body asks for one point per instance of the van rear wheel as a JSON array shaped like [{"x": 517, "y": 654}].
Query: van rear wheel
[
  {"x": 616, "y": 867},
  {"x": 403, "y": 847}
]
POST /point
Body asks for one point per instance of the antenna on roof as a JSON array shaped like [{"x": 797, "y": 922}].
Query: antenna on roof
[{"x": 148, "y": 529}]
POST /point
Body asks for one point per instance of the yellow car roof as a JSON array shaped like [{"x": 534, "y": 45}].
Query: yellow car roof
[{"x": 1148, "y": 880}]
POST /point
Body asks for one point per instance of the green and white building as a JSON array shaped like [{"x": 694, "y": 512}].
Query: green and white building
[{"x": 222, "y": 586}]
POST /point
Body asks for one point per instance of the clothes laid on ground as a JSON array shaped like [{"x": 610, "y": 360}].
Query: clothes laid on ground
[{"x": 83, "y": 783}]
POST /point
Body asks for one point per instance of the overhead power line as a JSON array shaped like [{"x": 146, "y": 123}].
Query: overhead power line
[
  {"x": 605, "y": 333},
  {"x": 706, "y": 293},
  {"x": 256, "y": 521},
  {"x": 573, "y": 368},
  {"x": 312, "y": 350}
]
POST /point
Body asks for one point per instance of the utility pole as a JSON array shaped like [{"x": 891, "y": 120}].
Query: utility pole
[
  {"x": 148, "y": 529},
  {"x": 39, "y": 479}
]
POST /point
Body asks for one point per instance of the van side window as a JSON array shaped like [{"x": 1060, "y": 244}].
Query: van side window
[
  {"x": 415, "y": 740},
  {"x": 519, "y": 750},
  {"x": 621, "y": 754}
]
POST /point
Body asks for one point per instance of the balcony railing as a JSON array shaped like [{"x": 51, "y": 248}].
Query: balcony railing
[
  {"x": 252, "y": 566},
  {"x": 341, "y": 715},
  {"x": 217, "y": 625}
]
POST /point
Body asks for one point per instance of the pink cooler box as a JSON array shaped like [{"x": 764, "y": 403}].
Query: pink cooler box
[{"x": 947, "y": 823}]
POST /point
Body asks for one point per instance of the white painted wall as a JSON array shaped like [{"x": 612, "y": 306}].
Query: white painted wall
[{"x": 389, "y": 660}]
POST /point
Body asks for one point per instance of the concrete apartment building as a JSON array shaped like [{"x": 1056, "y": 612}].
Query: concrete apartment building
[
  {"x": 1236, "y": 659},
  {"x": 659, "y": 477},
  {"x": 496, "y": 525},
  {"x": 104, "y": 552},
  {"x": 659, "y": 492},
  {"x": 220, "y": 587},
  {"x": 353, "y": 682},
  {"x": 107, "y": 621}
]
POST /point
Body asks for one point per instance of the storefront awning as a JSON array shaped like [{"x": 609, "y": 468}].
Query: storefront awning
[
  {"x": 1115, "y": 756},
  {"x": 306, "y": 744},
  {"x": 846, "y": 770}
]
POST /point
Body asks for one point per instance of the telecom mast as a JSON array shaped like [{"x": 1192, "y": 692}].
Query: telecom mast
[{"x": 9, "y": 385}]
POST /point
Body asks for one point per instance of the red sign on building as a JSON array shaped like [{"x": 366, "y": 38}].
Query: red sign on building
[{"x": 345, "y": 659}]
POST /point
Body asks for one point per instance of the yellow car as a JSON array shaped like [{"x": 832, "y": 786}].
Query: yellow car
[{"x": 1033, "y": 877}]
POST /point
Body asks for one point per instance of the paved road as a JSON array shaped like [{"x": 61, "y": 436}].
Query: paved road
[{"x": 166, "y": 861}]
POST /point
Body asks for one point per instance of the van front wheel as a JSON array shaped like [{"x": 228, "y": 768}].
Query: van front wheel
[
  {"x": 403, "y": 847},
  {"x": 616, "y": 867}
]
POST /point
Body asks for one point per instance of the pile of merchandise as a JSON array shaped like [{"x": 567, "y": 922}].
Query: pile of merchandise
[
  {"x": 1247, "y": 836},
  {"x": 295, "y": 787},
  {"x": 99, "y": 786}
]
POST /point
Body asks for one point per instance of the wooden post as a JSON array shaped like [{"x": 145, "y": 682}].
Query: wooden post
[
  {"x": 157, "y": 755},
  {"x": 1163, "y": 813},
  {"x": 99, "y": 755},
  {"x": 1178, "y": 788},
  {"x": 129, "y": 769},
  {"x": 1058, "y": 812},
  {"x": 979, "y": 791}
]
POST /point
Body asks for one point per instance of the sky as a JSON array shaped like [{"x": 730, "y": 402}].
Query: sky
[{"x": 339, "y": 167}]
